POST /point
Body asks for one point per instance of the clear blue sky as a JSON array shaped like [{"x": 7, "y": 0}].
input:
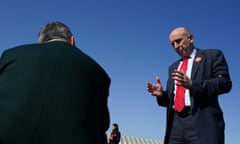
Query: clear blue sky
[{"x": 129, "y": 38}]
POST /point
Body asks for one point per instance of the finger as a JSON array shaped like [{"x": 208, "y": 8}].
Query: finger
[
  {"x": 176, "y": 73},
  {"x": 176, "y": 78},
  {"x": 158, "y": 80},
  {"x": 179, "y": 73},
  {"x": 149, "y": 85}
]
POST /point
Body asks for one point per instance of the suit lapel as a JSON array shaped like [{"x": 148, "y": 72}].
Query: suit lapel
[
  {"x": 196, "y": 62},
  {"x": 172, "y": 84}
]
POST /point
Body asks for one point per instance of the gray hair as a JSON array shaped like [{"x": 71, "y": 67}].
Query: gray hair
[{"x": 54, "y": 30}]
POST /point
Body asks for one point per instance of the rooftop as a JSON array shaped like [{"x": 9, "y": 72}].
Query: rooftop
[{"x": 136, "y": 140}]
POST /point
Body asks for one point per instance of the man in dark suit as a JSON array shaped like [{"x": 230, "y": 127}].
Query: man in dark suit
[
  {"x": 200, "y": 118},
  {"x": 52, "y": 93}
]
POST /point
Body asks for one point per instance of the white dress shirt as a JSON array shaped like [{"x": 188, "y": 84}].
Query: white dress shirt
[{"x": 189, "y": 71}]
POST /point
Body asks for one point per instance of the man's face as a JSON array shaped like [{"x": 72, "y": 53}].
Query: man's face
[{"x": 181, "y": 42}]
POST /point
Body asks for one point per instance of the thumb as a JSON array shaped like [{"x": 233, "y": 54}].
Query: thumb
[{"x": 158, "y": 80}]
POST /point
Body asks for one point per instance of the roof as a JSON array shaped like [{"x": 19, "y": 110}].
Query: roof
[{"x": 136, "y": 140}]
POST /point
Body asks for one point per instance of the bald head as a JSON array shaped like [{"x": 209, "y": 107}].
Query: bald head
[
  {"x": 182, "y": 41},
  {"x": 180, "y": 31}
]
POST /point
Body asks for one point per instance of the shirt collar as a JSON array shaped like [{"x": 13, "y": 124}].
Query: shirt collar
[{"x": 193, "y": 54}]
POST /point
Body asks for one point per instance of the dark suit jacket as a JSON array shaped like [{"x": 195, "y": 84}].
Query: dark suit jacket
[
  {"x": 52, "y": 94},
  {"x": 210, "y": 78}
]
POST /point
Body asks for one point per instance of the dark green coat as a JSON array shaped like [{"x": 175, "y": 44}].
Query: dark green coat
[{"x": 52, "y": 94}]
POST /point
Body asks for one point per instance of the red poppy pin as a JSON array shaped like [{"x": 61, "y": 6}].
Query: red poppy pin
[{"x": 198, "y": 59}]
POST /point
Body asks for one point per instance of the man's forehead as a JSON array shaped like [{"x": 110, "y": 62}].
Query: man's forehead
[
  {"x": 176, "y": 35},
  {"x": 178, "y": 31}
]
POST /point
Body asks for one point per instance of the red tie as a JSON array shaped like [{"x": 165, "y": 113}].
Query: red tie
[{"x": 180, "y": 90}]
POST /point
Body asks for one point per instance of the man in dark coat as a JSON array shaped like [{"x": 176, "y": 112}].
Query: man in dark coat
[
  {"x": 52, "y": 93},
  {"x": 200, "y": 121}
]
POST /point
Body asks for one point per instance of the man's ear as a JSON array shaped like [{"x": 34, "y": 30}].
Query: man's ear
[
  {"x": 72, "y": 40},
  {"x": 191, "y": 38}
]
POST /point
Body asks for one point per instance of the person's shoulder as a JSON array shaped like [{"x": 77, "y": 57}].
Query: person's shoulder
[
  {"x": 92, "y": 63},
  {"x": 211, "y": 52},
  {"x": 19, "y": 48}
]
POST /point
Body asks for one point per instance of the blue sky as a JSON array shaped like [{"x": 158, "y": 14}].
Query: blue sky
[{"x": 129, "y": 38}]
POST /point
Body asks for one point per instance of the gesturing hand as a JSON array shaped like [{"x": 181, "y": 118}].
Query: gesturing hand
[
  {"x": 181, "y": 79},
  {"x": 155, "y": 89}
]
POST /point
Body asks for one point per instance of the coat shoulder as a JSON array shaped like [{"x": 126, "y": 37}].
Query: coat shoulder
[{"x": 209, "y": 51}]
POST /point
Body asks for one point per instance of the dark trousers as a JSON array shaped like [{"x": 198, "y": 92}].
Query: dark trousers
[{"x": 183, "y": 129}]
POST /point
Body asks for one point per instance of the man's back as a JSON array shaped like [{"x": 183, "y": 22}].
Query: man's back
[{"x": 52, "y": 93}]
